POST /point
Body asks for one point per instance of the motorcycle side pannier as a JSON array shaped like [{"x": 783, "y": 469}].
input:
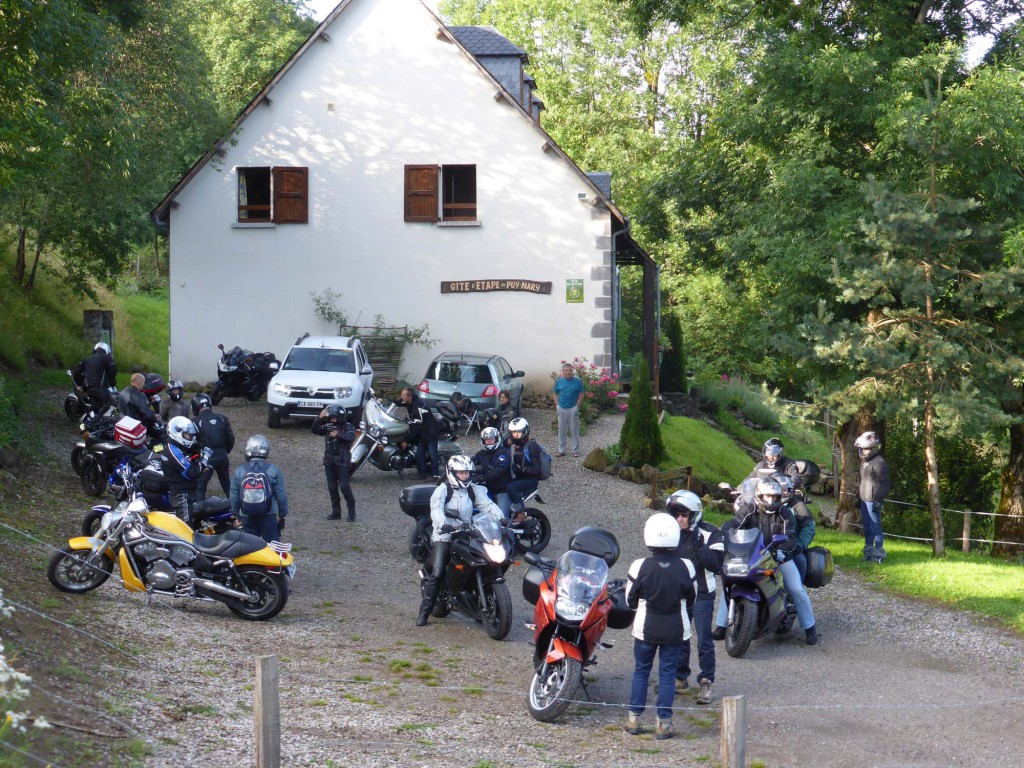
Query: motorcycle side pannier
[
  {"x": 130, "y": 432},
  {"x": 819, "y": 567},
  {"x": 415, "y": 499},
  {"x": 597, "y": 542}
]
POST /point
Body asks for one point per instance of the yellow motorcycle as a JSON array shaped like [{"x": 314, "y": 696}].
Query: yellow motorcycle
[{"x": 159, "y": 554}]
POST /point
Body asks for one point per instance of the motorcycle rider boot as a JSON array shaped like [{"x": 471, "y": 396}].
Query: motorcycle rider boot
[
  {"x": 430, "y": 587},
  {"x": 633, "y": 724},
  {"x": 704, "y": 696},
  {"x": 811, "y": 635},
  {"x": 664, "y": 729},
  {"x": 718, "y": 633}
]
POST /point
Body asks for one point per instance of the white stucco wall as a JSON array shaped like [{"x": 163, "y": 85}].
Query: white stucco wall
[{"x": 401, "y": 96}]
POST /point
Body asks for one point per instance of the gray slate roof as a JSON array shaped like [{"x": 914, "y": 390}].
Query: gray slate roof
[
  {"x": 485, "y": 41},
  {"x": 603, "y": 181}
]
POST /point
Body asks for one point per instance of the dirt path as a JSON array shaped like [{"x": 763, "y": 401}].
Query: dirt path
[{"x": 892, "y": 683}]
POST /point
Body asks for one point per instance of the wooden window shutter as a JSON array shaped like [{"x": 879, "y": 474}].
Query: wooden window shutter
[
  {"x": 421, "y": 198},
  {"x": 291, "y": 195}
]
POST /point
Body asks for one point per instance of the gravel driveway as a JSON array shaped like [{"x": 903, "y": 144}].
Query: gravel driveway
[{"x": 892, "y": 683}]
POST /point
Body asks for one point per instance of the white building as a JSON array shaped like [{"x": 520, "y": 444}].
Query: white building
[{"x": 387, "y": 162}]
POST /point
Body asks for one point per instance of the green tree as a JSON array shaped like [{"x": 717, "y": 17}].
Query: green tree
[
  {"x": 640, "y": 438},
  {"x": 673, "y": 361}
]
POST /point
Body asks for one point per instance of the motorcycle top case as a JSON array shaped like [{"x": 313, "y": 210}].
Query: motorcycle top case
[
  {"x": 819, "y": 567},
  {"x": 597, "y": 542},
  {"x": 154, "y": 383},
  {"x": 415, "y": 499},
  {"x": 130, "y": 432}
]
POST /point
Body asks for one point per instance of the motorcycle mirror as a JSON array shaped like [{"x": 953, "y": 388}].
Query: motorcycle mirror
[
  {"x": 274, "y": 366},
  {"x": 68, "y": 371},
  {"x": 531, "y": 558},
  {"x": 220, "y": 347}
]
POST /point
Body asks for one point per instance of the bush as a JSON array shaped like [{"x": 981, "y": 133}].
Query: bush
[
  {"x": 641, "y": 434},
  {"x": 600, "y": 387},
  {"x": 734, "y": 394},
  {"x": 8, "y": 418},
  {"x": 673, "y": 361}
]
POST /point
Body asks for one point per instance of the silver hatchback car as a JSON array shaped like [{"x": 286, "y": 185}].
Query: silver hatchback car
[{"x": 477, "y": 376}]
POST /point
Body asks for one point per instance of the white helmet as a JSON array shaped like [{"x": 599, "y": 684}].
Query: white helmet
[
  {"x": 661, "y": 531},
  {"x": 257, "y": 447},
  {"x": 867, "y": 443},
  {"x": 102, "y": 346},
  {"x": 182, "y": 431},
  {"x": 456, "y": 464},
  {"x": 521, "y": 425},
  {"x": 685, "y": 503},
  {"x": 490, "y": 439}
]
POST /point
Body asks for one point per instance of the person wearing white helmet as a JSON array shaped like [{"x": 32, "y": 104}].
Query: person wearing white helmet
[
  {"x": 96, "y": 376},
  {"x": 493, "y": 462},
  {"x": 182, "y": 464},
  {"x": 658, "y": 588},
  {"x": 702, "y": 544},
  {"x": 874, "y": 487},
  {"x": 460, "y": 497}
]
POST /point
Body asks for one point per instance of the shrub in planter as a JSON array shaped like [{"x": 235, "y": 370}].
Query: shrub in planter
[{"x": 640, "y": 438}]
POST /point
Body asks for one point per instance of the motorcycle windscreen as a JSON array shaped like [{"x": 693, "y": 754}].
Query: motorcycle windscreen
[
  {"x": 493, "y": 537},
  {"x": 581, "y": 578},
  {"x": 375, "y": 413},
  {"x": 742, "y": 543}
]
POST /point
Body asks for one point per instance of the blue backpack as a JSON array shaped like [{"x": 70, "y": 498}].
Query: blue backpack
[{"x": 544, "y": 460}]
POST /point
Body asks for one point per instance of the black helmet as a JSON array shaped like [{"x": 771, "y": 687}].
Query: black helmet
[
  {"x": 335, "y": 411},
  {"x": 200, "y": 401},
  {"x": 773, "y": 451},
  {"x": 490, "y": 418},
  {"x": 175, "y": 389},
  {"x": 768, "y": 495}
]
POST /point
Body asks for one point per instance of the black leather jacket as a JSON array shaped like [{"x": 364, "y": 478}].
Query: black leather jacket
[
  {"x": 132, "y": 402},
  {"x": 215, "y": 433},
  {"x": 96, "y": 370}
]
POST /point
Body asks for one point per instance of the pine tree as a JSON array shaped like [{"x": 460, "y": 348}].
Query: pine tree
[
  {"x": 640, "y": 438},
  {"x": 673, "y": 362}
]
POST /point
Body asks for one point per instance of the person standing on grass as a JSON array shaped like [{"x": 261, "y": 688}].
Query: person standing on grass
[
  {"x": 568, "y": 397},
  {"x": 658, "y": 588},
  {"x": 874, "y": 487}
]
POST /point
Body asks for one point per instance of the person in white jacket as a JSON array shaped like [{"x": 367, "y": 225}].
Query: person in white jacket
[{"x": 459, "y": 497}]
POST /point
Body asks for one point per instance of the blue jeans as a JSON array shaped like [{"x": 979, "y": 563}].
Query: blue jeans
[
  {"x": 264, "y": 526},
  {"x": 668, "y": 660},
  {"x": 800, "y": 558},
  {"x": 519, "y": 489},
  {"x": 871, "y": 519},
  {"x": 423, "y": 447},
  {"x": 701, "y": 611},
  {"x": 797, "y": 593}
]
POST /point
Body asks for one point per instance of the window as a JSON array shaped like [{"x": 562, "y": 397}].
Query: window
[
  {"x": 461, "y": 373},
  {"x": 279, "y": 195},
  {"x": 448, "y": 190},
  {"x": 316, "y": 359}
]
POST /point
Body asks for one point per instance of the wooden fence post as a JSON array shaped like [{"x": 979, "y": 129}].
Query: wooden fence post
[
  {"x": 967, "y": 530},
  {"x": 267, "y": 714},
  {"x": 734, "y": 727}
]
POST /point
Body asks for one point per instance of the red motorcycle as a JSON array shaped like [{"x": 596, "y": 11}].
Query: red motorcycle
[{"x": 574, "y": 604}]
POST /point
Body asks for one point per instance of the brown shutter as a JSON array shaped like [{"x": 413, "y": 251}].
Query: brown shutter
[
  {"x": 291, "y": 195},
  {"x": 421, "y": 182}
]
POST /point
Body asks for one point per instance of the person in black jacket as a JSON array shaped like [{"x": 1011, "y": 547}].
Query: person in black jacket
[
  {"x": 96, "y": 375},
  {"x": 493, "y": 464},
  {"x": 702, "y": 544},
  {"x": 525, "y": 466},
  {"x": 174, "y": 405},
  {"x": 874, "y": 487},
  {"x": 338, "y": 437},
  {"x": 775, "y": 462},
  {"x": 132, "y": 402},
  {"x": 423, "y": 431},
  {"x": 658, "y": 588},
  {"x": 216, "y": 434},
  {"x": 182, "y": 465}
]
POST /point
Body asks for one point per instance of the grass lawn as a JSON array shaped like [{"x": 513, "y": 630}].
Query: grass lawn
[
  {"x": 803, "y": 440},
  {"x": 713, "y": 455}
]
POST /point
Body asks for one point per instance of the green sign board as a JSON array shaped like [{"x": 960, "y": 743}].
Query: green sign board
[{"x": 573, "y": 291}]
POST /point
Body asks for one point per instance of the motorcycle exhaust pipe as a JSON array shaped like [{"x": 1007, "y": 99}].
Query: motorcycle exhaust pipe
[{"x": 214, "y": 586}]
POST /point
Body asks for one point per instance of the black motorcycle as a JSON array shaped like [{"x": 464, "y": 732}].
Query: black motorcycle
[
  {"x": 474, "y": 582},
  {"x": 78, "y": 403},
  {"x": 241, "y": 373},
  {"x": 93, "y": 429},
  {"x": 99, "y": 460}
]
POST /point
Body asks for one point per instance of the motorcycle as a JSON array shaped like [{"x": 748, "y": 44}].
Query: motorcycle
[
  {"x": 531, "y": 534},
  {"x": 474, "y": 582},
  {"x": 157, "y": 553},
  {"x": 380, "y": 440},
  {"x": 100, "y": 459},
  {"x": 241, "y": 373},
  {"x": 94, "y": 428},
  {"x": 78, "y": 403},
  {"x": 213, "y": 515},
  {"x": 574, "y": 603}
]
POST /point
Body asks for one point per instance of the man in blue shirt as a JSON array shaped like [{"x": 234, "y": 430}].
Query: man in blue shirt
[{"x": 568, "y": 396}]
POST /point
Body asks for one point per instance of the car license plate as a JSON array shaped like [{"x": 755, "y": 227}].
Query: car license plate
[{"x": 311, "y": 404}]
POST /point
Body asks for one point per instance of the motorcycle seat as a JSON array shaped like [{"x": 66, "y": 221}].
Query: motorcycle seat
[
  {"x": 215, "y": 505},
  {"x": 231, "y": 544}
]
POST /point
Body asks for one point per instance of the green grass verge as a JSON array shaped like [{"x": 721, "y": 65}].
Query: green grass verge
[
  {"x": 977, "y": 583},
  {"x": 802, "y": 440},
  {"x": 714, "y": 456}
]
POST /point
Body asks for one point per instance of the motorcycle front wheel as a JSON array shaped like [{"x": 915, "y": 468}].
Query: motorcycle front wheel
[
  {"x": 497, "y": 613},
  {"x": 217, "y": 393},
  {"x": 73, "y": 408},
  {"x": 91, "y": 522},
  {"x": 552, "y": 689},
  {"x": 271, "y": 591},
  {"x": 73, "y": 570},
  {"x": 536, "y": 532},
  {"x": 740, "y": 633},
  {"x": 94, "y": 479}
]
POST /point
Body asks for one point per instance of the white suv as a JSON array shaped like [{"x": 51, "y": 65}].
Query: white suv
[{"x": 319, "y": 371}]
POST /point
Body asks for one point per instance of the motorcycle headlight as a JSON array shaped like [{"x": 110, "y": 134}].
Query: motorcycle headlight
[
  {"x": 384, "y": 440},
  {"x": 362, "y": 425},
  {"x": 105, "y": 521},
  {"x": 342, "y": 393},
  {"x": 282, "y": 389},
  {"x": 495, "y": 552},
  {"x": 375, "y": 431},
  {"x": 736, "y": 568},
  {"x": 138, "y": 506}
]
